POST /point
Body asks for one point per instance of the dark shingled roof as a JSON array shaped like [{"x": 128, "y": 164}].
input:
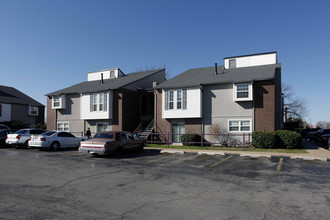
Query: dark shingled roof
[
  {"x": 11, "y": 95},
  {"x": 97, "y": 86},
  {"x": 206, "y": 76}
]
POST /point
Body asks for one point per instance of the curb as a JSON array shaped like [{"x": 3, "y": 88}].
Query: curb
[
  {"x": 172, "y": 151},
  {"x": 255, "y": 155},
  {"x": 210, "y": 153},
  {"x": 308, "y": 158}
]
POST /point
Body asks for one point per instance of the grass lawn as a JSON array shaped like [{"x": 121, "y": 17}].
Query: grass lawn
[{"x": 229, "y": 148}]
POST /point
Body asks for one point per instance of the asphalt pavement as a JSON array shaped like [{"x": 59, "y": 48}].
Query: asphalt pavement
[{"x": 150, "y": 185}]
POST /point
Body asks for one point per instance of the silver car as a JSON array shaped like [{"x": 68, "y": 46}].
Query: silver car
[
  {"x": 21, "y": 137},
  {"x": 54, "y": 140}
]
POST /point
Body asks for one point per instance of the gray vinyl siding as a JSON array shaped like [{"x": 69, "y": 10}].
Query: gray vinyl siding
[
  {"x": 20, "y": 113},
  {"x": 71, "y": 114},
  {"x": 219, "y": 106}
]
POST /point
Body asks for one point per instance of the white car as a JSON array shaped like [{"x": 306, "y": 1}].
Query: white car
[{"x": 54, "y": 140}]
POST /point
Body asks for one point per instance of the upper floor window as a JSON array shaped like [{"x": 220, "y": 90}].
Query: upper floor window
[
  {"x": 56, "y": 101},
  {"x": 112, "y": 74},
  {"x": 33, "y": 110},
  {"x": 232, "y": 63},
  {"x": 98, "y": 102},
  {"x": 176, "y": 99},
  {"x": 243, "y": 92}
]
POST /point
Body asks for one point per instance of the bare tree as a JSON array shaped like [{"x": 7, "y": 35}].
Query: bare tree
[{"x": 294, "y": 107}]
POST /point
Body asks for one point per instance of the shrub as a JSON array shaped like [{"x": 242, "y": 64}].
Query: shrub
[
  {"x": 263, "y": 139},
  {"x": 16, "y": 124},
  {"x": 288, "y": 139},
  {"x": 186, "y": 138}
]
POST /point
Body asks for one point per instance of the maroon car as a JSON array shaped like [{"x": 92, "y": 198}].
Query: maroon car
[{"x": 111, "y": 142}]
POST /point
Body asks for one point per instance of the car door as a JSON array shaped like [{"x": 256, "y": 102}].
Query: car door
[
  {"x": 72, "y": 140},
  {"x": 125, "y": 142},
  {"x": 133, "y": 143},
  {"x": 63, "y": 139}
]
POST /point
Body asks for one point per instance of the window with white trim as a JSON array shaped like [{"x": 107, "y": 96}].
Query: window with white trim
[
  {"x": 171, "y": 99},
  {"x": 63, "y": 126},
  {"x": 33, "y": 110},
  {"x": 179, "y": 99},
  {"x": 239, "y": 125},
  {"x": 112, "y": 74},
  {"x": 176, "y": 99},
  {"x": 56, "y": 101},
  {"x": 98, "y": 102},
  {"x": 243, "y": 92},
  {"x": 232, "y": 63}
]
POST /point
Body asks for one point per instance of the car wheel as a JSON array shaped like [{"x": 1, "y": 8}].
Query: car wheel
[{"x": 55, "y": 146}]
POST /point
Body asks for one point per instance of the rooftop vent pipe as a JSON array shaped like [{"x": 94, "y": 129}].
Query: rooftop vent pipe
[
  {"x": 102, "y": 78},
  {"x": 216, "y": 68}
]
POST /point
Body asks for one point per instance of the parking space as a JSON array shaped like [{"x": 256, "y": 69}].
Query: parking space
[{"x": 67, "y": 184}]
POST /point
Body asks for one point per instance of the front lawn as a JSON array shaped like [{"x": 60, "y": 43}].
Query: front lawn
[{"x": 228, "y": 148}]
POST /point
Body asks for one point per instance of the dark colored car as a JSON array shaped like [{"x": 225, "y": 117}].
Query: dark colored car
[
  {"x": 3, "y": 135},
  {"x": 111, "y": 142},
  {"x": 316, "y": 136},
  {"x": 324, "y": 139}
]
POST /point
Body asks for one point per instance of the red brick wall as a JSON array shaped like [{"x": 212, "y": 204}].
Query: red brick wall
[
  {"x": 51, "y": 115},
  {"x": 193, "y": 125},
  {"x": 264, "y": 104}
]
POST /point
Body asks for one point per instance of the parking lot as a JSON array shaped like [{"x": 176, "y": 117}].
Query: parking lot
[{"x": 149, "y": 185}]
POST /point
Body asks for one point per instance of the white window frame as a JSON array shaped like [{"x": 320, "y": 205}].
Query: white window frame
[
  {"x": 114, "y": 74},
  {"x": 235, "y": 91},
  {"x": 30, "y": 110},
  {"x": 98, "y": 102},
  {"x": 57, "y": 101},
  {"x": 240, "y": 125},
  {"x": 176, "y": 99},
  {"x": 101, "y": 124},
  {"x": 63, "y": 128},
  {"x": 230, "y": 62}
]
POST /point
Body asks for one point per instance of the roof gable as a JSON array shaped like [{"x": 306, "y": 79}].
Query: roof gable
[{"x": 11, "y": 95}]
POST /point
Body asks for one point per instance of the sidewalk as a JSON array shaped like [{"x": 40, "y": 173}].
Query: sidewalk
[{"x": 313, "y": 152}]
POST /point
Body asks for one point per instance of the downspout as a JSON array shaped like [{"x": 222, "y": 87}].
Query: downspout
[
  {"x": 155, "y": 110},
  {"x": 201, "y": 108},
  {"x": 253, "y": 108}
]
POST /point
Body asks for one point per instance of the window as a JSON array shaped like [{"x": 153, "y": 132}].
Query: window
[
  {"x": 101, "y": 127},
  {"x": 101, "y": 99},
  {"x": 176, "y": 99},
  {"x": 104, "y": 135},
  {"x": 98, "y": 102},
  {"x": 0, "y": 110},
  {"x": 63, "y": 126},
  {"x": 56, "y": 101},
  {"x": 112, "y": 74},
  {"x": 171, "y": 100},
  {"x": 232, "y": 63},
  {"x": 243, "y": 92},
  {"x": 33, "y": 110},
  {"x": 240, "y": 126}
]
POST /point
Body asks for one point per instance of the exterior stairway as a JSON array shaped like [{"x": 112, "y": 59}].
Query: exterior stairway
[{"x": 144, "y": 133}]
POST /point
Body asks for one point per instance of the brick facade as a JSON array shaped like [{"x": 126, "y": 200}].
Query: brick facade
[
  {"x": 264, "y": 105},
  {"x": 51, "y": 115}
]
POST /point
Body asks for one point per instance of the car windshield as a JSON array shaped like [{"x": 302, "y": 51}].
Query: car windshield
[
  {"x": 104, "y": 135},
  {"x": 21, "y": 131},
  {"x": 48, "y": 133}
]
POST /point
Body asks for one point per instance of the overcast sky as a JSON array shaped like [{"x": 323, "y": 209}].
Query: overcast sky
[{"x": 47, "y": 45}]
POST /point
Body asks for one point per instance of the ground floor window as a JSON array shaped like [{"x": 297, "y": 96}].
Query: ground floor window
[
  {"x": 240, "y": 125},
  {"x": 63, "y": 126},
  {"x": 178, "y": 128},
  {"x": 101, "y": 127}
]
